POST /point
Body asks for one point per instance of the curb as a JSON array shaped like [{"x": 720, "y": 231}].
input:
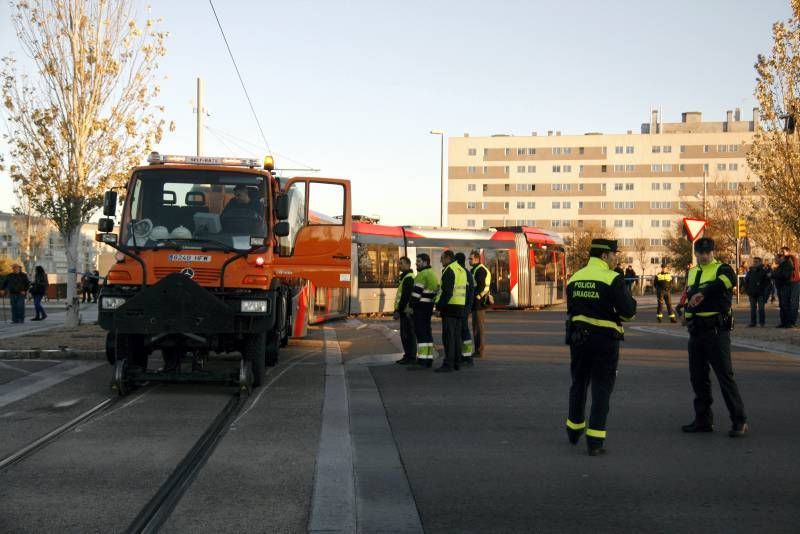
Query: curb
[{"x": 53, "y": 354}]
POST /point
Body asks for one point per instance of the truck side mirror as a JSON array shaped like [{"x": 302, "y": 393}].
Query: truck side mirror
[
  {"x": 282, "y": 207},
  {"x": 105, "y": 225},
  {"x": 281, "y": 229},
  {"x": 110, "y": 203}
]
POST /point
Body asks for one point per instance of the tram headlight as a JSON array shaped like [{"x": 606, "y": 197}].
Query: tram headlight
[
  {"x": 255, "y": 306},
  {"x": 111, "y": 303}
]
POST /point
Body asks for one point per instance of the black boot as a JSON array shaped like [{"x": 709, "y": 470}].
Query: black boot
[
  {"x": 574, "y": 435},
  {"x": 698, "y": 426}
]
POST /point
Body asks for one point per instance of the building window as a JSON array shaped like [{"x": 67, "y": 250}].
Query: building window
[
  {"x": 628, "y": 223},
  {"x": 705, "y": 167},
  {"x": 656, "y": 149},
  {"x": 655, "y": 260},
  {"x": 580, "y": 223},
  {"x": 470, "y": 187},
  {"x": 667, "y": 167},
  {"x": 566, "y": 205},
  {"x": 566, "y": 223},
  {"x": 655, "y": 186},
  {"x": 505, "y": 205},
  {"x": 566, "y": 187},
  {"x": 619, "y": 187},
  {"x": 667, "y": 149},
  {"x": 603, "y": 205},
  {"x": 604, "y": 150},
  {"x": 520, "y": 168},
  {"x": 508, "y": 152},
  {"x": 682, "y": 186},
  {"x": 720, "y": 166},
  {"x": 602, "y": 223},
  {"x": 555, "y": 187},
  {"x": 485, "y": 187},
  {"x": 629, "y": 186},
  {"x": 733, "y": 186},
  {"x": 682, "y": 205},
  {"x": 619, "y": 149},
  {"x": 623, "y": 204},
  {"x": 682, "y": 168},
  {"x": 580, "y": 187},
  {"x": 722, "y": 148},
  {"x": 655, "y": 223},
  {"x": 660, "y": 205},
  {"x": 603, "y": 168},
  {"x": 567, "y": 168},
  {"x": 520, "y": 205},
  {"x": 485, "y": 169},
  {"x": 619, "y": 168},
  {"x": 471, "y": 205},
  {"x": 629, "y": 149},
  {"x": 733, "y": 166},
  {"x": 665, "y": 223},
  {"x": 520, "y": 152},
  {"x": 618, "y": 223},
  {"x": 667, "y": 186},
  {"x": 556, "y": 205},
  {"x": 630, "y": 168},
  {"x": 471, "y": 223},
  {"x": 531, "y": 151},
  {"x": 567, "y": 151},
  {"x": 506, "y": 170},
  {"x": 484, "y": 205},
  {"x": 706, "y": 149},
  {"x": 556, "y": 150},
  {"x": 580, "y": 204},
  {"x": 485, "y": 153},
  {"x": 655, "y": 167},
  {"x": 556, "y": 168},
  {"x": 683, "y": 149},
  {"x": 471, "y": 169},
  {"x": 472, "y": 152},
  {"x": 580, "y": 150},
  {"x": 531, "y": 205},
  {"x": 506, "y": 187},
  {"x": 531, "y": 168},
  {"x": 602, "y": 188},
  {"x": 555, "y": 223}
]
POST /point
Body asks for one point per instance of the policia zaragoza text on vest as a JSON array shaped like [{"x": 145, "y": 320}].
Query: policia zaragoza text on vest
[
  {"x": 597, "y": 302},
  {"x": 709, "y": 319}
]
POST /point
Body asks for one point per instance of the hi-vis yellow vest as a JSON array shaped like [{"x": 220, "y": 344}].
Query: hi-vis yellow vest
[
  {"x": 488, "y": 279},
  {"x": 459, "y": 297}
]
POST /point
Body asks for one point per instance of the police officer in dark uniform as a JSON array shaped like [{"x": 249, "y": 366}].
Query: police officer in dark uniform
[
  {"x": 710, "y": 320},
  {"x": 598, "y": 301}
]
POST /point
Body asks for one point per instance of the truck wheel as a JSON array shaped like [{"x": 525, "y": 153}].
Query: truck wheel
[
  {"x": 285, "y": 339},
  {"x": 254, "y": 351},
  {"x": 273, "y": 342},
  {"x": 127, "y": 346}
]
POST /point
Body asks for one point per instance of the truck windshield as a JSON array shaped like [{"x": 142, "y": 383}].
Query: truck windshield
[{"x": 174, "y": 208}]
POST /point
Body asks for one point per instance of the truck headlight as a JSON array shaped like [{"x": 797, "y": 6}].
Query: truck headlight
[
  {"x": 254, "y": 306},
  {"x": 111, "y": 303}
]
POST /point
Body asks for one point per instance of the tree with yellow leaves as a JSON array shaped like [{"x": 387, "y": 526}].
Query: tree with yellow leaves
[
  {"x": 775, "y": 156},
  {"x": 85, "y": 117}
]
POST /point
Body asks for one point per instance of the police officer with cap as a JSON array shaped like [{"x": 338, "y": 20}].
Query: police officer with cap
[
  {"x": 598, "y": 301},
  {"x": 710, "y": 320}
]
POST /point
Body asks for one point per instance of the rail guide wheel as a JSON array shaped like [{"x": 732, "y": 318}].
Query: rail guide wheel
[
  {"x": 245, "y": 376},
  {"x": 121, "y": 383}
]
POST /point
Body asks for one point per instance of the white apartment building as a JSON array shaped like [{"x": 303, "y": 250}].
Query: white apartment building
[{"x": 637, "y": 185}]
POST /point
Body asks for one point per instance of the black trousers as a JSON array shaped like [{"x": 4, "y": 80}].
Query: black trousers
[
  {"x": 785, "y": 302},
  {"x": 451, "y": 337},
  {"x": 712, "y": 349},
  {"x": 663, "y": 298},
  {"x": 407, "y": 336},
  {"x": 757, "y": 312},
  {"x": 593, "y": 362},
  {"x": 422, "y": 330},
  {"x": 478, "y": 331}
]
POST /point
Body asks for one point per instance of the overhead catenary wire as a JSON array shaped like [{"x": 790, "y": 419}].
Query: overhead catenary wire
[
  {"x": 235, "y": 66},
  {"x": 244, "y": 144}
]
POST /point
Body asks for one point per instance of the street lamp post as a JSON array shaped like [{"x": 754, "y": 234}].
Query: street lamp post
[
  {"x": 705, "y": 192},
  {"x": 441, "y": 175}
]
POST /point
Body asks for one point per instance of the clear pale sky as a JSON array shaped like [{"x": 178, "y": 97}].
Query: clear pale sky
[{"x": 353, "y": 88}]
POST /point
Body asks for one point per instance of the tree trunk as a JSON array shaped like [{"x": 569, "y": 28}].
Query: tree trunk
[{"x": 72, "y": 239}]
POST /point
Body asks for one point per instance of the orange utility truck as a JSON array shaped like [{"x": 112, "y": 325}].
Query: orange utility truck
[{"x": 216, "y": 255}]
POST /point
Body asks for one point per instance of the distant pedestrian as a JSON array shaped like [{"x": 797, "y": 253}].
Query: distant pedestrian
[
  {"x": 663, "y": 285},
  {"x": 756, "y": 285},
  {"x": 38, "y": 291},
  {"x": 16, "y": 285},
  {"x": 450, "y": 304},
  {"x": 630, "y": 277},
  {"x": 403, "y": 313},
  {"x": 95, "y": 285},
  {"x": 86, "y": 286},
  {"x": 426, "y": 285},
  {"x": 597, "y": 304},
  {"x": 710, "y": 319},
  {"x": 619, "y": 269},
  {"x": 467, "y": 347},
  {"x": 483, "y": 301},
  {"x": 794, "y": 286}
]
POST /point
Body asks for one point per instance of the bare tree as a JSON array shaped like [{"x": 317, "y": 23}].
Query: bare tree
[
  {"x": 577, "y": 246},
  {"x": 86, "y": 117},
  {"x": 775, "y": 156},
  {"x": 32, "y": 232}
]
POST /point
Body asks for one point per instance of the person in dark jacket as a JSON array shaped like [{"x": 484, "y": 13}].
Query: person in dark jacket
[
  {"x": 630, "y": 277},
  {"x": 597, "y": 305},
  {"x": 782, "y": 277},
  {"x": 482, "y": 301},
  {"x": 451, "y": 304},
  {"x": 38, "y": 291},
  {"x": 16, "y": 285},
  {"x": 794, "y": 286},
  {"x": 403, "y": 313},
  {"x": 756, "y": 285}
]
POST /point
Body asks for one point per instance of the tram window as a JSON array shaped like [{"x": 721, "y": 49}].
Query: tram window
[
  {"x": 377, "y": 265},
  {"x": 545, "y": 267}
]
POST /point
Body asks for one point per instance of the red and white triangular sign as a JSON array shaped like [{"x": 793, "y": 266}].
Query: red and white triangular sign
[{"x": 694, "y": 227}]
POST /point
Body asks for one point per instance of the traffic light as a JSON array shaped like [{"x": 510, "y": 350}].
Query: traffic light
[{"x": 741, "y": 228}]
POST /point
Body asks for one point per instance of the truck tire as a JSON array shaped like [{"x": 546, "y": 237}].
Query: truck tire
[
  {"x": 254, "y": 351},
  {"x": 273, "y": 343},
  {"x": 128, "y": 346}
]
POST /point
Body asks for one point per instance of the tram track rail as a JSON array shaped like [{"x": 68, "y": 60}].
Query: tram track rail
[
  {"x": 156, "y": 512},
  {"x": 52, "y": 436}
]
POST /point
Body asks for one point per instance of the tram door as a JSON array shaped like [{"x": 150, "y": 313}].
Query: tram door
[{"x": 497, "y": 261}]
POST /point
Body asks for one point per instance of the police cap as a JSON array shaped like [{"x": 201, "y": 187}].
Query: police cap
[
  {"x": 704, "y": 244},
  {"x": 609, "y": 245}
]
